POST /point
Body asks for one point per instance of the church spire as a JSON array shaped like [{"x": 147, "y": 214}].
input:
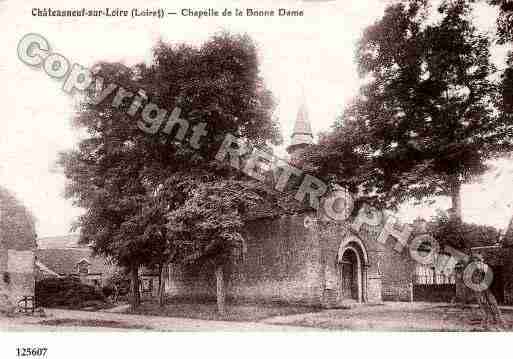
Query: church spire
[{"x": 302, "y": 135}]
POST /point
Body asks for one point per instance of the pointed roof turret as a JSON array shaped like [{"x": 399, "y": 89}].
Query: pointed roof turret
[{"x": 302, "y": 135}]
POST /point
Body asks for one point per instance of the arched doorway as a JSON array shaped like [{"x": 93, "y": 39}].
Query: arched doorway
[
  {"x": 352, "y": 270},
  {"x": 349, "y": 275}
]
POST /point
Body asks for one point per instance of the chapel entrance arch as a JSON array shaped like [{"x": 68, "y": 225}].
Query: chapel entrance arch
[{"x": 352, "y": 263}]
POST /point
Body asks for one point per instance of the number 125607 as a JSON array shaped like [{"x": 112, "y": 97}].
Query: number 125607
[{"x": 31, "y": 352}]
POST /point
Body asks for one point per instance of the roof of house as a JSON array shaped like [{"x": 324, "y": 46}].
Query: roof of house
[
  {"x": 45, "y": 269},
  {"x": 62, "y": 254},
  {"x": 65, "y": 260}
]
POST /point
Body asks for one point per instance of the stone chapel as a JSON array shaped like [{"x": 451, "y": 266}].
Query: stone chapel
[{"x": 291, "y": 259}]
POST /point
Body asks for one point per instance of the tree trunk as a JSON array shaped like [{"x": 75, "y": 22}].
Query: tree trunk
[
  {"x": 221, "y": 308},
  {"x": 490, "y": 309},
  {"x": 135, "y": 298},
  {"x": 485, "y": 299},
  {"x": 162, "y": 287},
  {"x": 456, "y": 198}
]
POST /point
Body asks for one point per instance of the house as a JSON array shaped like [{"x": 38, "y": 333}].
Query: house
[
  {"x": 17, "y": 252},
  {"x": 63, "y": 256},
  {"x": 290, "y": 257}
]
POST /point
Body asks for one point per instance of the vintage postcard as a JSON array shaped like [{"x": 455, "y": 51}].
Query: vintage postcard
[{"x": 283, "y": 166}]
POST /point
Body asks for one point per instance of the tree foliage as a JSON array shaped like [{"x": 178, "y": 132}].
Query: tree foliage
[
  {"x": 425, "y": 120},
  {"x": 336, "y": 158},
  {"x": 505, "y": 36},
  {"x": 504, "y": 20},
  {"x": 17, "y": 224},
  {"x": 460, "y": 235},
  {"x": 153, "y": 198}
]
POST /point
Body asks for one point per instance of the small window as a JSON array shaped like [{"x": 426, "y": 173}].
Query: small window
[{"x": 83, "y": 267}]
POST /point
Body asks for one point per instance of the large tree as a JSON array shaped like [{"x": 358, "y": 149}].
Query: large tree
[
  {"x": 426, "y": 115},
  {"x": 17, "y": 231},
  {"x": 140, "y": 190}
]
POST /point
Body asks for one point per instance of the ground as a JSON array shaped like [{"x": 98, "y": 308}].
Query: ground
[
  {"x": 389, "y": 316},
  {"x": 74, "y": 320},
  {"x": 208, "y": 311},
  {"x": 395, "y": 316}
]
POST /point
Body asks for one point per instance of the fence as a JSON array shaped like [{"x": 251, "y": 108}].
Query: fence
[
  {"x": 434, "y": 287},
  {"x": 434, "y": 279}
]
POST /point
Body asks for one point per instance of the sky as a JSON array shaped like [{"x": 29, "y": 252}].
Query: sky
[{"x": 314, "y": 52}]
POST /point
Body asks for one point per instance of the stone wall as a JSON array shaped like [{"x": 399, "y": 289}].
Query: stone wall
[
  {"x": 17, "y": 275},
  {"x": 287, "y": 261},
  {"x": 389, "y": 271},
  {"x": 397, "y": 270},
  {"x": 282, "y": 263}
]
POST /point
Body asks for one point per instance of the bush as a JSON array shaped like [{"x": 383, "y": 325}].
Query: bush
[
  {"x": 65, "y": 293},
  {"x": 120, "y": 281},
  {"x": 107, "y": 290}
]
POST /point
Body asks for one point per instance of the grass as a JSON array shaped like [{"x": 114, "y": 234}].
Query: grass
[{"x": 240, "y": 312}]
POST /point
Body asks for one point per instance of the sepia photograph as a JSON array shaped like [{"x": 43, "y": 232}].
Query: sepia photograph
[{"x": 304, "y": 171}]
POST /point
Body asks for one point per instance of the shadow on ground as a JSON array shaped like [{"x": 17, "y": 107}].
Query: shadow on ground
[
  {"x": 238, "y": 312},
  {"x": 92, "y": 323}
]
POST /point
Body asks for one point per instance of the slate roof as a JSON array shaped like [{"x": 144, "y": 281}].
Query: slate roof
[
  {"x": 64, "y": 261},
  {"x": 302, "y": 125},
  {"x": 45, "y": 269},
  {"x": 302, "y": 133},
  {"x": 62, "y": 254}
]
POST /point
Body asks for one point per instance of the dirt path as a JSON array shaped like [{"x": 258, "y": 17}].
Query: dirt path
[
  {"x": 387, "y": 317},
  {"x": 58, "y": 320},
  {"x": 392, "y": 316}
]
